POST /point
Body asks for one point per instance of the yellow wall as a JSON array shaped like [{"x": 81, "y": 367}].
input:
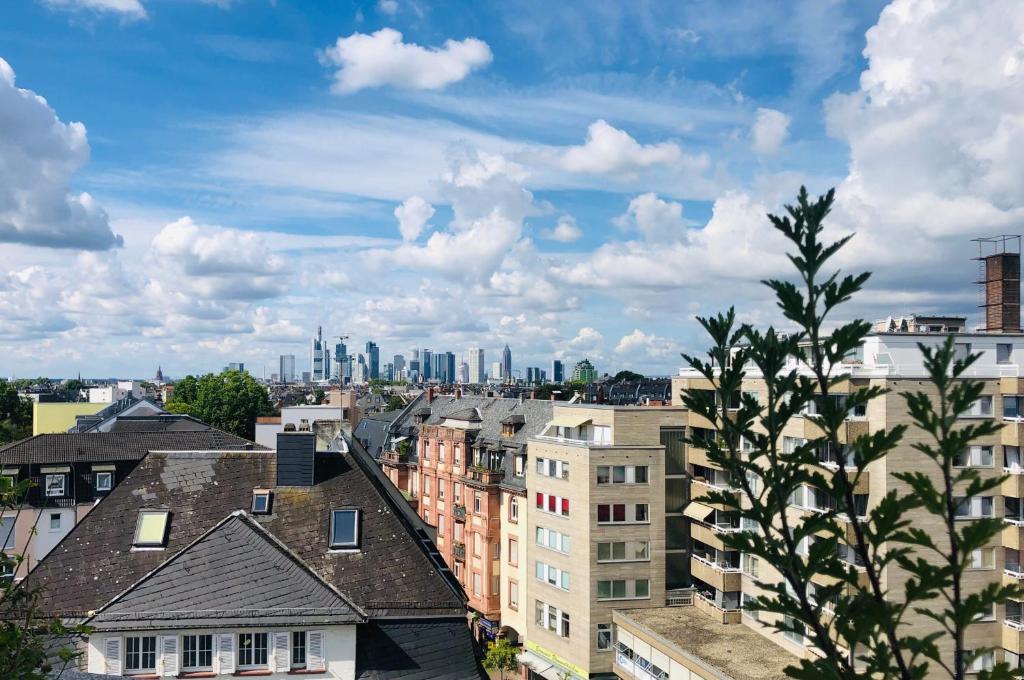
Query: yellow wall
[{"x": 58, "y": 417}]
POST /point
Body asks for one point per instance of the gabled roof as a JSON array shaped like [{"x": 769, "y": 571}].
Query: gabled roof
[
  {"x": 164, "y": 422},
  {"x": 236, "y": 574},
  {"x": 74, "y": 447},
  {"x": 470, "y": 415},
  {"x": 389, "y": 650}
]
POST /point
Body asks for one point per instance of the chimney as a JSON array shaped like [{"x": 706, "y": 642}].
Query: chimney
[
  {"x": 1001, "y": 258},
  {"x": 533, "y": 394},
  {"x": 430, "y": 394},
  {"x": 458, "y": 393},
  {"x": 552, "y": 396},
  {"x": 296, "y": 456}
]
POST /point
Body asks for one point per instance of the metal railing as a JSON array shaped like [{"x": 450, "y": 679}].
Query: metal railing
[{"x": 679, "y": 597}]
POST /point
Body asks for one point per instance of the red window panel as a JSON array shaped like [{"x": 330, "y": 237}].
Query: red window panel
[
  {"x": 540, "y": 501},
  {"x": 565, "y": 507},
  {"x": 602, "y": 513},
  {"x": 619, "y": 512},
  {"x": 552, "y": 501}
]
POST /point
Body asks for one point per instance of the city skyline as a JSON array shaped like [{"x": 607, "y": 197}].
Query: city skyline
[{"x": 591, "y": 187}]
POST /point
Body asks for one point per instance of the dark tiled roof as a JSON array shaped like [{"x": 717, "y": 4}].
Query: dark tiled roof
[
  {"x": 470, "y": 414},
  {"x": 392, "y": 573},
  {"x": 172, "y": 422},
  {"x": 372, "y": 431},
  {"x": 235, "y": 575},
  {"x": 106, "y": 446},
  {"x": 415, "y": 651}
]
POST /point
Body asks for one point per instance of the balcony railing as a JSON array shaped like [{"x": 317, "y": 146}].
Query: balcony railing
[
  {"x": 459, "y": 551},
  {"x": 574, "y": 441},
  {"x": 1014, "y": 571},
  {"x": 395, "y": 457},
  {"x": 459, "y": 512},
  {"x": 680, "y": 597},
  {"x": 723, "y": 567},
  {"x": 1015, "y": 621},
  {"x": 708, "y": 600},
  {"x": 485, "y": 476}
]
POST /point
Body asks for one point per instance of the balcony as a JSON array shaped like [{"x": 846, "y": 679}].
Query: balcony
[
  {"x": 459, "y": 512},
  {"x": 863, "y": 484},
  {"x": 395, "y": 458},
  {"x": 1013, "y": 485},
  {"x": 700, "y": 488},
  {"x": 711, "y": 534},
  {"x": 1013, "y": 575},
  {"x": 459, "y": 551},
  {"x": 1013, "y": 634},
  {"x": 720, "y": 576},
  {"x": 825, "y": 580},
  {"x": 1011, "y": 433},
  {"x": 1011, "y": 537},
  {"x": 484, "y": 476},
  {"x": 705, "y": 604},
  {"x": 850, "y": 430}
]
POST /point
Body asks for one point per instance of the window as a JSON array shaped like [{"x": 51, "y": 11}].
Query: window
[
  {"x": 252, "y": 650},
  {"x": 457, "y": 492},
  {"x": 556, "y": 505},
  {"x": 440, "y": 452},
  {"x": 983, "y": 558},
  {"x": 794, "y": 631},
  {"x": 426, "y": 485},
  {"x": 103, "y": 481},
  {"x": 513, "y": 552},
  {"x": 7, "y": 534},
  {"x": 622, "y": 589},
  {"x": 55, "y": 485},
  {"x": 981, "y": 408},
  {"x": 440, "y": 489},
  {"x": 974, "y": 456},
  {"x": 151, "y": 529},
  {"x": 621, "y": 513},
  {"x": 961, "y": 350},
  {"x": 548, "y": 467},
  {"x": 440, "y": 524},
  {"x": 551, "y": 618},
  {"x": 497, "y": 550},
  {"x": 495, "y": 585},
  {"x": 624, "y": 551},
  {"x": 621, "y": 474},
  {"x": 750, "y": 565},
  {"x": 551, "y": 575},
  {"x": 457, "y": 449},
  {"x": 604, "y": 636},
  {"x": 140, "y": 654},
  {"x": 553, "y": 540},
  {"x": 513, "y": 509},
  {"x": 477, "y": 542},
  {"x": 476, "y": 503},
  {"x": 299, "y": 649},
  {"x": 476, "y": 584},
  {"x": 519, "y": 465},
  {"x": 261, "y": 501},
  {"x": 513, "y": 594},
  {"x": 345, "y": 528},
  {"x": 197, "y": 652},
  {"x": 972, "y": 507},
  {"x": 982, "y": 662},
  {"x": 54, "y": 521},
  {"x": 1004, "y": 352}
]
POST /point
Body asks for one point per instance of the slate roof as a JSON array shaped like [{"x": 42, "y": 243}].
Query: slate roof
[
  {"x": 85, "y": 447},
  {"x": 392, "y": 574},
  {"x": 372, "y": 430},
  {"x": 171, "y": 422},
  {"x": 235, "y": 575},
  {"x": 419, "y": 650}
]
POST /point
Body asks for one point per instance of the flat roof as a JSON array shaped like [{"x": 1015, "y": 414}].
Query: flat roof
[{"x": 734, "y": 650}]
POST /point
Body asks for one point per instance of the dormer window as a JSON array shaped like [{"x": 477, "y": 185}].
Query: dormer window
[
  {"x": 344, "y": 529},
  {"x": 56, "y": 485},
  {"x": 151, "y": 530},
  {"x": 261, "y": 501},
  {"x": 103, "y": 481}
]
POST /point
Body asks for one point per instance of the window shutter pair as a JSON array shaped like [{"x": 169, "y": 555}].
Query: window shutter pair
[
  {"x": 168, "y": 646},
  {"x": 226, "y": 653},
  {"x": 112, "y": 656},
  {"x": 282, "y": 652}
]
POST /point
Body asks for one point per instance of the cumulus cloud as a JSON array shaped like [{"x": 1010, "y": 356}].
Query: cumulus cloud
[
  {"x": 564, "y": 231},
  {"x": 413, "y": 215},
  {"x": 769, "y": 132},
  {"x": 38, "y": 156},
  {"x": 649, "y": 345},
  {"x": 382, "y": 58},
  {"x": 657, "y": 220},
  {"x": 127, "y": 9},
  {"x": 610, "y": 150}
]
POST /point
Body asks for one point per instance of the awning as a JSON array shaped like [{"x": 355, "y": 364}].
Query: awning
[
  {"x": 538, "y": 665},
  {"x": 569, "y": 420},
  {"x": 698, "y": 511}
]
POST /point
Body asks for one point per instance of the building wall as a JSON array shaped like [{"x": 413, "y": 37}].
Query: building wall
[
  {"x": 514, "y": 567},
  {"x": 57, "y": 417},
  {"x": 339, "y": 651}
]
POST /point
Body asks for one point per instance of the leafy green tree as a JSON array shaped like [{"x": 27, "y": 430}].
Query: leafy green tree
[
  {"x": 628, "y": 376},
  {"x": 230, "y": 400},
  {"x": 501, "y": 656},
  {"x": 858, "y": 626},
  {"x": 395, "y": 403},
  {"x": 318, "y": 396},
  {"x": 33, "y": 646},
  {"x": 15, "y": 414}
]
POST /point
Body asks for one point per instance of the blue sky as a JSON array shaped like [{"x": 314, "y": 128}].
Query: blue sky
[{"x": 575, "y": 179}]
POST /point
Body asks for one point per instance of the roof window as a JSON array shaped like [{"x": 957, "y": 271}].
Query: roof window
[
  {"x": 261, "y": 501},
  {"x": 151, "y": 530},
  {"x": 344, "y": 529}
]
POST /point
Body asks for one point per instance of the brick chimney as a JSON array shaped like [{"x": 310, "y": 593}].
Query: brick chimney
[
  {"x": 458, "y": 393},
  {"x": 1000, "y": 256},
  {"x": 430, "y": 395}
]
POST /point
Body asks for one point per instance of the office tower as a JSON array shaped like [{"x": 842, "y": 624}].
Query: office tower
[
  {"x": 414, "y": 371},
  {"x": 341, "y": 363},
  {"x": 426, "y": 365},
  {"x": 240, "y": 367},
  {"x": 557, "y": 371},
  {"x": 464, "y": 372},
  {"x": 530, "y": 377},
  {"x": 361, "y": 375},
  {"x": 450, "y": 367},
  {"x": 506, "y": 364},
  {"x": 373, "y": 360},
  {"x": 399, "y": 363},
  {"x": 389, "y": 372},
  {"x": 286, "y": 368},
  {"x": 476, "y": 366},
  {"x": 495, "y": 375},
  {"x": 440, "y": 368},
  {"x": 319, "y": 357},
  {"x": 584, "y": 372}
]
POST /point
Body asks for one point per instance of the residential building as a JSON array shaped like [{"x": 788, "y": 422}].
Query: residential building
[
  {"x": 584, "y": 372},
  {"x": 557, "y": 371},
  {"x": 286, "y": 369},
  {"x": 476, "y": 366},
  {"x": 506, "y": 365},
  {"x": 58, "y": 416},
  {"x": 169, "y": 570},
  {"x": 373, "y": 360},
  {"x": 71, "y": 472},
  {"x": 107, "y": 394},
  {"x": 315, "y": 417}
]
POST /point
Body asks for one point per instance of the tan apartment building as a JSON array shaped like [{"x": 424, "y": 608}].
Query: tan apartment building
[
  {"x": 595, "y": 530},
  {"x": 654, "y": 644}
]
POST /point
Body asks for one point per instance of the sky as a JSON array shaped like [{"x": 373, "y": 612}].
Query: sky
[{"x": 188, "y": 183}]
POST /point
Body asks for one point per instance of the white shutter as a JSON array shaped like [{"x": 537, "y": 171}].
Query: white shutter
[
  {"x": 169, "y": 654},
  {"x": 282, "y": 659},
  {"x": 112, "y": 656},
  {"x": 315, "y": 651},
  {"x": 226, "y": 653}
]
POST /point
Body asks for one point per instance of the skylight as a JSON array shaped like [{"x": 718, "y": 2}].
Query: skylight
[
  {"x": 151, "y": 530},
  {"x": 261, "y": 501},
  {"x": 344, "y": 528}
]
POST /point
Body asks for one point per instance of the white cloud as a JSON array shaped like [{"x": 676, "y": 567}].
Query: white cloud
[
  {"x": 610, "y": 150},
  {"x": 38, "y": 156},
  {"x": 769, "y": 132},
  {"x": 649, "y": 345},
  {"x": 382, "y": 58},
  {"x": 389, "y": 7},
  {"x": 657, "y": 220},
  {"x": 127, "y": 9},
  {"x": 413, "y": 215},
  {"x": 564, "y": 231}
]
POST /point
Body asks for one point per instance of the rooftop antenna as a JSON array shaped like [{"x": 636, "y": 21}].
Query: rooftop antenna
[{"x": 999, "y": 275}]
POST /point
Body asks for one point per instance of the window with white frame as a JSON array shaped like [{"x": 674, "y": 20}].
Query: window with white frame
[
  {"x": 252, "y": 650},
  {"x": 622, "y": 513},
  {"x": 622, "y": 474},
  {"x": 440, "y": 452},
  {"x": 298, "y": 649},
  {"x": 549, "y": 467},
  {"x": 261, "y": 501},
  {"x": 477, "y": 587},
  {"x": 151, "y": 529},
  {"x": 477, "y": 502},
  {"x": 749, "y": 564},
  {"x": 55, "y": 521},
  {"x": 513, "y": 509},
  {"x": 140, "y": 654},
  {"x": 983, "y": 558},
  {"x": 344, "y": 528},
  {"x": 974, "y": 456},
  {"x": 513, "y": 594},
  {"x": 794, "y": 631},
  {"x": 601, "y": 435},
  {"x": 519, "y": 465},
  {"x": 983, "y": 662},
  {"x": 196, "y": 653},
  {"x": 56, "y": 485},
  {"x": 7, "y": 533},
  {"x": 973, "y": 507},
  {"x": 624, "y": 551},
  {"x": 552, "y": 575},
  {"x": 604, "y": 636},
  {"x": 1004, "y": 353},
  {"x": 981, "y": 408},
  {"x": 555, "y": 505},
  {"x": 457, "y": 453},
  {"x": 551, "y": 618},
  {"x": 440, "y": 524},
  {"x": 103, "y": 481},
  {"x": 624, "y": 589},
  {"x": 440, "y": 489},
  {"x": 553, "y": 540}
]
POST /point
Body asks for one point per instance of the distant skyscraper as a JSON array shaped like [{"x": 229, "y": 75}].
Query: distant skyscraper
[
  {"x": 373, "y": 360},
  {"x": 495, "y": 375},
  {"x": 319, "y": 357},
  {"x": 426, "y": 365},
  {"x": 399, "y": 362},
  {"x": 557, "y": 371},
  {"x": 286, "y": 368},
  {"x": 341, "y": 369},
  {"x": 361, "y": 375},
  {"x": 449, "y": 367},
  {"x": 506, "y": 364},
  {"x": 439, "y": 369},
  {"x": 240, "y": 367},
  {"x": 389, "y": 372},
  {"x": 584, "y": 372},
  {"x": 476, "y": 366},
  {"x": 463, "y": 373}
]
